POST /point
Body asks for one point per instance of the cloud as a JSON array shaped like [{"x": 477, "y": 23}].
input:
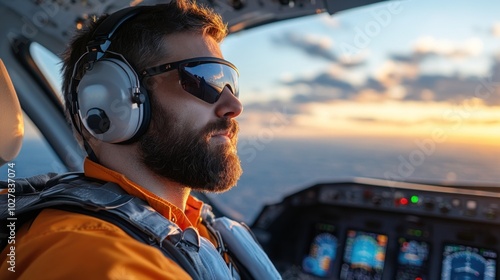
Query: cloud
[
  {"x": 374, "y": 84},
  {"x": 404, "y": 58},
  {"x": 428, "y": 46},
  {"x": 329, "y": 21},
  {"x": 391, "y": 73},
  {"x": 323, "y": 87},
  {"x": 442, "y": 121},
  {"x": 446, "y": 88},
  {"x": 314, "y": 46},
  {"x": 453, "y": 89},
  {"x": 352, "y": 61},
  {"x": 398, "y": 81},
  {"x": 495, "y": 29},
  {"x": 272, "y": 106},
  {"x": 319, "y": 47}
]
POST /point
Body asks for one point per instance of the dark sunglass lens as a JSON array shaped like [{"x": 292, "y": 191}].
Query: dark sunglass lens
[
  {"x": 207, "y": 81},
  {"x": 231, "y": 80},
  {"x": 198, "y": 87}
]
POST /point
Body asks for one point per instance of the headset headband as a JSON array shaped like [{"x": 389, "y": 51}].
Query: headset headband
[{"x": 101, "y": 38}]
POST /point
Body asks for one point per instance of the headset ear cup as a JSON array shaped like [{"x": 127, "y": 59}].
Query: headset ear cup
[{"x": 106, "y": 98}]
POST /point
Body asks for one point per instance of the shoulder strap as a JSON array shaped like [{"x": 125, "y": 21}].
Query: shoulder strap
[{"x": 109, "y": 202}]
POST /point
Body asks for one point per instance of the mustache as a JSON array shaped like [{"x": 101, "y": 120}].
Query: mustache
[{"x": 222, "y": 124}]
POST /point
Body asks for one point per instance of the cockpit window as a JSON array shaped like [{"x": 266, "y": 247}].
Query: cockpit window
[
  {"x": 36, "y": 156},
  {"x": 49, "y": 64},
  {"x": 395, "y": 90}
]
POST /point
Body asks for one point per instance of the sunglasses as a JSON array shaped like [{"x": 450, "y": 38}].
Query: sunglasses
[{"x": 203, "y": 77}]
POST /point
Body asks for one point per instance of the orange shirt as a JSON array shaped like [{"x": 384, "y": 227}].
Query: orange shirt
[{"x": 65, "y": 245}]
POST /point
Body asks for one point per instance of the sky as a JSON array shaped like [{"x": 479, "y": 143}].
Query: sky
[
  {"x": 366, "y": 93},
  {"x": 397, "y": 68}
]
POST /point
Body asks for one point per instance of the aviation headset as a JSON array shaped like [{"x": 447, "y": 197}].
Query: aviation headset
[{"x": 109, "y": 98}]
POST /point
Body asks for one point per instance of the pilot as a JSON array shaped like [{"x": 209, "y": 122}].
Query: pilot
[{"x": 153, "y": 103}]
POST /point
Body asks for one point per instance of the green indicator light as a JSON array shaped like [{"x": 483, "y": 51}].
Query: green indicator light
[
  {"x": 414, "y": 199},
  {"x": 418, "y": 233}
]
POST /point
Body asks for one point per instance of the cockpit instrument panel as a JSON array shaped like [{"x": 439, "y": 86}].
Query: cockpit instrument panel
[{"x": 367, "y": 229}]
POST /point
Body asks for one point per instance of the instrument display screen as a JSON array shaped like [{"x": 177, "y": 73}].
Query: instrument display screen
[
  {"x": 364, "y": 255},
  {"x": 413, "y": 259},
  {"x": 468, "y": 262},
  {"x": 322, "y": 251}
]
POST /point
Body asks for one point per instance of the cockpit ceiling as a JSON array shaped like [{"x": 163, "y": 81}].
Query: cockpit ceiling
[{"x": 59, "y": 18}]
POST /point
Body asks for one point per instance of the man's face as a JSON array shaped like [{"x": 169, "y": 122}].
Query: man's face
[{"x": 190, "y": 141}]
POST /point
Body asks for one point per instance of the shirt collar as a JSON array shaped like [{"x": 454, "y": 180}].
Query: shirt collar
[{"x": 190, "y": 217}]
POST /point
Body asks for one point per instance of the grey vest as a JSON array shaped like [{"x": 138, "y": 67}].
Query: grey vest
[{"x": 107, "y": 201}]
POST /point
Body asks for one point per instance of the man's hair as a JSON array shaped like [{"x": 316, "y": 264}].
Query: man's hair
[{"x": 141, "y": 39}]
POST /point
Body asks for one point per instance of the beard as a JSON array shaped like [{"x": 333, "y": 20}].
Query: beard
[{"x": 173, "y": 151}]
